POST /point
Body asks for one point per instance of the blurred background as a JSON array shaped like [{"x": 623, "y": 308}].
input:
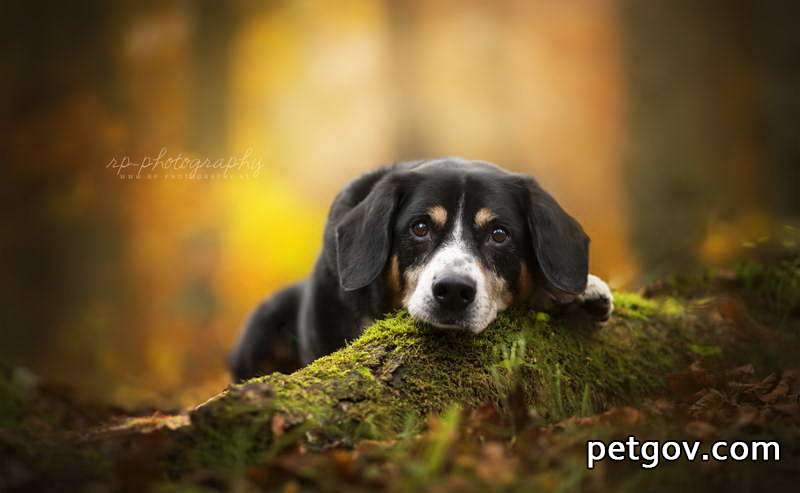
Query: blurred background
[{"x": 668, "y": 128}]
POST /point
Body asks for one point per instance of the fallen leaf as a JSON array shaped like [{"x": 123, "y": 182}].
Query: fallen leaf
[
  {"x": 278, "y": 425},
  {"x": 706, "y": 406},
  {"x": 788, "y": 409},
  {"x": 749, "y": 416},
  {"x": 780, "y": 390},
  {"x": 496, "y": 466},
  {"x": 623, "y": 415},
  {"x": 740, "y": 372},
  {"x": 701, "y": 429}
]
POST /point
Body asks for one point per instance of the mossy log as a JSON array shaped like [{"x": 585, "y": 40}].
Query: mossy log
[
  {"x": 384, "y": 385},
  {"x": 398, "y": 372}
]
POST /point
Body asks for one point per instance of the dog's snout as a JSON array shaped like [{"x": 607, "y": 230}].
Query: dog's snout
[{"x": 454, "y": 292}]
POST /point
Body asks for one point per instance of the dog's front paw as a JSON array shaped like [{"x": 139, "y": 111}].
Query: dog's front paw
[{"x": 597, "y": 301}]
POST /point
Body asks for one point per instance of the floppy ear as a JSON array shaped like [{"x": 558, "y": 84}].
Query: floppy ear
[
  {"x": 363, "y": 237},
  {"x": 559, "y": 242}
]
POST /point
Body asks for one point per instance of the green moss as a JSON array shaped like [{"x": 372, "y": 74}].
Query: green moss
[
  {"x": 182, "y": 488},
  {"x": 399, "y": 370},
  {"x": 672, "y": 307},
  {"x": 633, "y": 305},
  {"x": 706, "y": 351},
  {"x": 228, "y": 449},
  {"x": 425, "y": 470},
  {"x": 775, "y": 284},
  {"x": 14, "y": 394}
]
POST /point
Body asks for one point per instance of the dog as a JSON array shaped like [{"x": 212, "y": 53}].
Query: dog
[{"x": 452, "y": 241}]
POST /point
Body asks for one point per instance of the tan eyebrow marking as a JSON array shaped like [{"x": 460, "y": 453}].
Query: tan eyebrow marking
[
  {"x": 525, "y": 283},
  {"x": 394, "y": 281},
  {"x": 438, "y": 215},
  {"x": 483, "y": 216}
]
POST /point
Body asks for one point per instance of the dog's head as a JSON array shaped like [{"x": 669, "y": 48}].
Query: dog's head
[{"x": 457, "y": 241}]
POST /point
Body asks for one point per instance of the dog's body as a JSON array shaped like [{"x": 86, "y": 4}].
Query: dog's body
[{"x": 452, "y": 241}]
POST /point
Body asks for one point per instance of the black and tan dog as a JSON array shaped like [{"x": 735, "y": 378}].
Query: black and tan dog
[{"x": 452, "y": 241}]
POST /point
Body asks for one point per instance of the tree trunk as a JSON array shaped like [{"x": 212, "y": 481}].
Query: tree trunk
[{"x": 398, "y": 372}]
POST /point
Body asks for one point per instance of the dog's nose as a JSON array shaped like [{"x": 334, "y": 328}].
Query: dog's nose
[{"x": 454, "y": 292}]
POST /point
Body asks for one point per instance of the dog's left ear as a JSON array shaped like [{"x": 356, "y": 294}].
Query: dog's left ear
[
  {"x": 559, "y": 242},
  {"x": 364, "y": 236}
]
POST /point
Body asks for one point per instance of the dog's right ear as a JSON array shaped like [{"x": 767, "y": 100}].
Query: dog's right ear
[
  {"x": 364, "y": 236},
  {"x": 559, "y": 242}
]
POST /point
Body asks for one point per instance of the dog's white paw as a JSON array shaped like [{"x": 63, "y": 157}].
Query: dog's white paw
[{"x": 597, "y": 300}]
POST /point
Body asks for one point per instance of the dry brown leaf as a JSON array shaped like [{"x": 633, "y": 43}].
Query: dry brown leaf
[
  {"x": 701, "y": 429},
  {"x": 496, "y": 465},
  {"x": 706, "y": 407},
  {"x": 278, "y": 425},
  {"x": 741, "y": 372},
  {"x": 780, "y": 390},
  {"x": 792, "y": 410},
  {"x": 624, "y": 415}
]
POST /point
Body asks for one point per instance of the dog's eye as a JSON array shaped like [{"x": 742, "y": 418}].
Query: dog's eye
[
  {"x": 499, "y": 235},
  {"x": 420, "y": 229}
]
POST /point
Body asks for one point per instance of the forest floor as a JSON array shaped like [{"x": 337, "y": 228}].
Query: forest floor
[{"x": 49, "y": 441}]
